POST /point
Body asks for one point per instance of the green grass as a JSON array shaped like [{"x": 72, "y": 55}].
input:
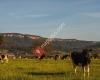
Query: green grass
[{"x": 24, "y": 69}]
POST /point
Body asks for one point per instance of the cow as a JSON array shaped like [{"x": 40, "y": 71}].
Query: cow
[
  {"x": 4, "y": 58},
  {"x": 82, "y": 59},
  {"x": 41, "y": 57},
  {"x": 56, "y": 57},
  {"x": 64, "y": 57}
]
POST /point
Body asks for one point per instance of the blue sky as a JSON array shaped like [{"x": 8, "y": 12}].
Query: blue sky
[{"x": 42, "y": 17}]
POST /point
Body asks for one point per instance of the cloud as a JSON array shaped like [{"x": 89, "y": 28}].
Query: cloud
[
  {"x": 82, "y": 2},
  {"x": 91, "y": 14},
  {"x": 17, "y": 16},
  {"x": 36, "y": 16}
]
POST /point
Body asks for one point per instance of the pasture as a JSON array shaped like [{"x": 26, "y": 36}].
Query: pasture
[{"x": 46, "y": 69}]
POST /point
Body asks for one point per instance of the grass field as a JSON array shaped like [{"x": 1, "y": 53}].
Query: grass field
[{"x": 24, "y": 69}]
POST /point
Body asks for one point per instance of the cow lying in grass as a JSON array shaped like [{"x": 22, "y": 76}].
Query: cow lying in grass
[
  {"x": 81, "y": 59},
  {"x": 4, "y": 58}
]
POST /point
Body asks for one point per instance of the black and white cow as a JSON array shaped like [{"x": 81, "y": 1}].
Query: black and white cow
[
  {"x": 4, "y": 58},
  {"x": 82, "y": 59}
]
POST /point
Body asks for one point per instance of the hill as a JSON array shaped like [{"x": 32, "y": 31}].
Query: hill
[{"x": 23, "y": 43}]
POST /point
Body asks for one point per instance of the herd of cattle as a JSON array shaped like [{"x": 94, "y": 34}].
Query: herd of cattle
[{"x": 82, "y": 59}]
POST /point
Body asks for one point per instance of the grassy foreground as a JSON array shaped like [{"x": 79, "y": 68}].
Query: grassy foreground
[{"x": 28, "y": 69}]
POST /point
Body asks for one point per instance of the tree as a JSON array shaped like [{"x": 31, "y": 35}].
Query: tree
[{"x": 1, "y": 39}]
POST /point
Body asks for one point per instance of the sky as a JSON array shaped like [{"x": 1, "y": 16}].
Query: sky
[{"x": 43, "y": 17}]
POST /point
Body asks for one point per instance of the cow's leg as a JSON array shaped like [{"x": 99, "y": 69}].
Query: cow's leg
[
  {"x": 75, "y": 68},
  {"x": 88, "y": 70},
  {"x": 6, "y": 60},
  {"x": 84, "y": 70}
]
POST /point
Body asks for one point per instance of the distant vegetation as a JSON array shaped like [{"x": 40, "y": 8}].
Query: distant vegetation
[{"x": 1, "y": 39}]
